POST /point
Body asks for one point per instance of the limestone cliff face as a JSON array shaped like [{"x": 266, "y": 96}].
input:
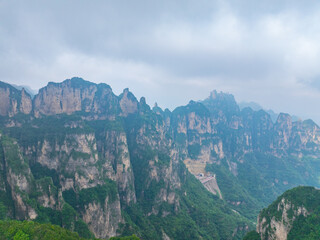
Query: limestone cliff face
[
  {"x": 75, "y": 95},
  {"x": 7, "y": 107},
  {"x": 218, "y": 126},
  {"x": 257, "y": 128},
  {"x": 77, "y": 162},
  {"x": 104, "y": 220},
  {"x": 278, "y": 227},
  {"x": 13, "y": 101},
  {"x": 155, "y": 162},
  {"x": 17, "y": 179},
  {"x": 194, "y": 134},
  {"x": 305, "y": 136},
  {"x": 296, "y": 136},
  {"x": 128, "y": 103},
  {"x": 76, "y": 156},
  {"x": 75, "y": 166},
  {"x": 283, "y": 129},
  {"x": 49, "y": 197},
  {"x": 286, "y": 216},
  {"x": 26, "y": 102},
  {"x": 118, "y": 166}
]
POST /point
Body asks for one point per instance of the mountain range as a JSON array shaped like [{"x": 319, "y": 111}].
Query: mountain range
[{"x": 79, "y": 156}]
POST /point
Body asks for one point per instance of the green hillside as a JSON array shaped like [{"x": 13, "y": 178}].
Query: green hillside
[{"x": 295, "y": 215}]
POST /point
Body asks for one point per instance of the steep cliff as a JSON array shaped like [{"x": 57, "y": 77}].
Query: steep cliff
[
  {"x": 62, "y": 179},
  {"x": 294, "y": 215},
  {"x": 17, "y": 180},
  {"x": 13, "y": 101},
  {"x": 74, "y": 95},
  {"x": 253, "y": 159}
]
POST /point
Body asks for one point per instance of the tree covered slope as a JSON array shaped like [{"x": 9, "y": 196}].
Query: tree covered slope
[{"x": 294, "y": 215}]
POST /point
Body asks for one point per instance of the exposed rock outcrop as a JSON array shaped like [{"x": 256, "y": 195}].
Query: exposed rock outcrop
[
  {"x": 103, "y": 221},
  {"x": 13, "y": 101},
  {"x": 276, "y": 221},
  {"x": 75, "y": 95},
  {"x": 128, "y": 103},
  {"x": 278, "y": 229}
]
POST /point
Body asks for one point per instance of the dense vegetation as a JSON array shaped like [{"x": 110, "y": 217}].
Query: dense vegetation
[
  {"x": 305, "y": 228},
  {"x": 268, "y": 174},
  {"x": 308, "y": 197},
  {"x": 29, "y": 230},
  {"x": 253, "y": 235},
  {"x": 201, "y": 216},
  {"x": 301, "y": 226}
]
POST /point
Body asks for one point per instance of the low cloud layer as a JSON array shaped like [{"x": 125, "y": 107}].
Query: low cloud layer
[{"x": 170, "y": 51}]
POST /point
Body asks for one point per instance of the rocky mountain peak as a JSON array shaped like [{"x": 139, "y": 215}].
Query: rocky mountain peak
[
  {"x": 220, "y": 96},
  {"x": 75, "y": 82},
  {"x": 284, "y": 118},
  {"x": 222, "y": 106},
  {"x": 213, "y": 94},
  {"x": 74, "y": 95},
  {"x": 143, "y": 101},
  {"x": 157, "y": 109},
  {"x": 13, "y": 101},
  {"x": 128, "y": 102},
  {"x": 310, "y": 124},
  {"x": 26, "y": 102},
  {"x": 143, "y": 106}
]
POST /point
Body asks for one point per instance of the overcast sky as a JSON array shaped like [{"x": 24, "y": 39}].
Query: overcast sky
[{"x": 170, "y": 51}]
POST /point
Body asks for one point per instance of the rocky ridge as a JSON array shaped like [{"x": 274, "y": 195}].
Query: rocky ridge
[{"x": 78, "y": 139}]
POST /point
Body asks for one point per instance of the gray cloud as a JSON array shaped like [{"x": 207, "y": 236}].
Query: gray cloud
[{"x": 169, "y": 51}]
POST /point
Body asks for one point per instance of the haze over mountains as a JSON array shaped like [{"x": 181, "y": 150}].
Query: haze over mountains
[
  {"x": 253, "y": 105},
  {"x": 256, "y": 107},
  {"x": 79, "y": 156}
]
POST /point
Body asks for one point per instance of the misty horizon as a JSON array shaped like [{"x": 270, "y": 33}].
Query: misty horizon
[{"x": 266, "y": 52}]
